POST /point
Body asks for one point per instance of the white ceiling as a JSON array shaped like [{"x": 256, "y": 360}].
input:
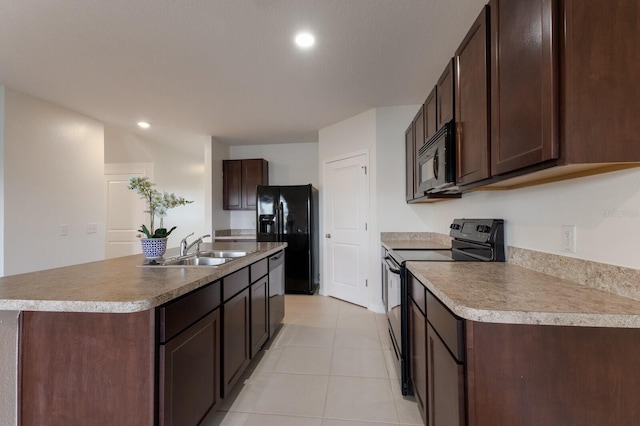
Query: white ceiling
[{"x": 228, "y": 68}]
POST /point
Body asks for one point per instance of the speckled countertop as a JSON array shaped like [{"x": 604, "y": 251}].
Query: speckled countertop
[
  {"x": 118, "y": 285},
  {"x": 505, "y": 293}
]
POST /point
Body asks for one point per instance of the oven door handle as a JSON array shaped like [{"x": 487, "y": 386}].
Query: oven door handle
[{"x": 391, "y": 266}]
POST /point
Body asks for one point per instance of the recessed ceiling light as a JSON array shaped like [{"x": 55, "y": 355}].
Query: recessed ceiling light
[
  {"x": 305, "y": 40},
  {"x": 144, "y": 124}
]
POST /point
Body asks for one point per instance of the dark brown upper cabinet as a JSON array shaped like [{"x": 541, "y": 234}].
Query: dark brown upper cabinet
[
  {"x": 446, "y": 95},
  {"x": 430, "y": 114},
  {"x": 472, "y": 104},
  {"x": 409, "y": 162},
  {"x": 418, "y": 142},
  {"x": 240, "y": 181},
  {"x": 524, "y": 84},
  {"x": 601, "y": 78}
]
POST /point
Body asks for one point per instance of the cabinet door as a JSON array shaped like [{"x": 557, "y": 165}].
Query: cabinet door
[
  {"x": 189, "y": 376},
  {"x": 254, "y": 172},
  {"x": 601, "y": 67},
  {"x": 445, "y": 89},
  {"x": 409, "y": 162},
  {"x": 259, "y": 314},
  {"x": 418, "y": 142},
  {"x": 431, "y": 114},
  {"x": 445, "y": 391},
  {"x": 418, "y": 355},
  {"x": 472, "y": 104},
  {"x": 524, "y": 84},
  {"x": 235, "y": 336},
  {"x": 232, "y": 184}
]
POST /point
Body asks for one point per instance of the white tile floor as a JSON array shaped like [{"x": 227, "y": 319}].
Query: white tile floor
[{"x": 329, "y": 365}]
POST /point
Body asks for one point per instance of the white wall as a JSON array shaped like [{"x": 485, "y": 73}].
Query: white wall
[
  {"x": 289, "y": 164},
  {"x": 605, "y": 209},
  {"x": 181, "y": 169},
  {"x": 2, "y": 91},
  {"x": 394, "y": 215},
  {"x": 354, "y": 135},
  {"x": 219, "y": 152},
  {"x": 53, "y": 175}
]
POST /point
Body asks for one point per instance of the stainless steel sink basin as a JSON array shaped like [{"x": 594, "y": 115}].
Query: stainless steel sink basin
[
  {"x": 224, "y": 253},
  {"x": 211, "y": 258},
  {"x": 197, "y": 261}
]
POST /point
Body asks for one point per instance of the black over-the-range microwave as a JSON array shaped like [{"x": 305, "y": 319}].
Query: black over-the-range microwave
[{"x": 436, "y": 162}]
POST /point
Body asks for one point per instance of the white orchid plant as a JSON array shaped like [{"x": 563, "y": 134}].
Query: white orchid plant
[{"x": 158, "y": 204}]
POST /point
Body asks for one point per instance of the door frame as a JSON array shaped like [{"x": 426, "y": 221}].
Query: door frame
[{"x": 324, "y": 285}]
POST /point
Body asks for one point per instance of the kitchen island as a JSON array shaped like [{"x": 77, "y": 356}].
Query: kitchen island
[{"x": 111, "y": 342}]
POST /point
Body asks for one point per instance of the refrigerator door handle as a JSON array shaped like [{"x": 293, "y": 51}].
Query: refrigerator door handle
[{"x": 281, "y": 222}]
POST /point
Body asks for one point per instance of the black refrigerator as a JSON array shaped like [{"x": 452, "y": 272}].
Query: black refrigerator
[{"x": 290, "y": 214}]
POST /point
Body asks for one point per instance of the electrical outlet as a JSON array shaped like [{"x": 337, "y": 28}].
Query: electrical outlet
[
  {"x": 92, "y": 228},
  {"x": 63, "y": 230},
  {"x": 568, "y": 238}
]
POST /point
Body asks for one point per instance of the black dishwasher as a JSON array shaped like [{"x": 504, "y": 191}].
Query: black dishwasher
[{"x": 276, "y": 291}]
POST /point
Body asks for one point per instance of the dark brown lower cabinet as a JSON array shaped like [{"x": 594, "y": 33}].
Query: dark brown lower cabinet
[
  {"x": 189, "y": 376},
  {"x": 259, "y": 314},
  {"x": 418, "y": 356},
  {"x": 532, "y": 375},
  {"x": 446, "y": 404},
  {"x": 236, "y": 340}
]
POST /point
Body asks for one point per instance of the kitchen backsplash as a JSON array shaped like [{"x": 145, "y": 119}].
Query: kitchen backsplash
[
  {"x": 614, "y": 279},
  {"x": 619, "y": 280}
]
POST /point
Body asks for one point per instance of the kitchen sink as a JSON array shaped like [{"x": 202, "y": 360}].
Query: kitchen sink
[
  {"x": 224, "y": 253},
  {"x": 210, "y": 258},
  {"x": 196, "y": 261}
]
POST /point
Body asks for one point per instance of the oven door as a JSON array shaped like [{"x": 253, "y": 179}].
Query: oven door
[{"x": 393, "y": 304}]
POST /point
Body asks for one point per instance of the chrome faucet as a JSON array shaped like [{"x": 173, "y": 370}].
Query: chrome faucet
[{"x": 184, "y": 248}]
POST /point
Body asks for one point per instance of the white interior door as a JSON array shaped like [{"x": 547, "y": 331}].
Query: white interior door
[
  {"x": 125, "y": 209},
  {"x": 346, "y": 184}
]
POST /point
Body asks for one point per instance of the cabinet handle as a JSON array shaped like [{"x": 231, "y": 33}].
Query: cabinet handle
[{"x": 328, "y": 235}]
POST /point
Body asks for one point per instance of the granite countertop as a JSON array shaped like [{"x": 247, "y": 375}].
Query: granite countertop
[
  {"x": 505, "y": 293},
  {"x": 119, "y": 285}
]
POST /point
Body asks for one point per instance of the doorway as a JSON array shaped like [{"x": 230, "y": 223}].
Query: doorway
[{"x": 346, "y": 213}]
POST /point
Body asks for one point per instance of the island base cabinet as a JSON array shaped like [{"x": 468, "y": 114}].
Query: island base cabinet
[
  {"x": 86, "y": 369},
  {"x": 236, "y": 340},
  {"x": 532, "y": 375},
  {"x": 259, "y": 314},
  {"x": 190, "y": 378}
]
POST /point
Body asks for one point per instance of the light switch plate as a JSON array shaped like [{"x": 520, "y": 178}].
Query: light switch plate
[{"x": 568, "y": 238}]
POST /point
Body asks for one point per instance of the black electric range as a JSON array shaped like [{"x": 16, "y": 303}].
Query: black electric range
[{"x": 473, "y": 240}]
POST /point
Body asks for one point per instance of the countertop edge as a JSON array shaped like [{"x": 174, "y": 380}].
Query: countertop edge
[
  {"x": 137, "y": 305},
  {"x": 580, "y": 319}
]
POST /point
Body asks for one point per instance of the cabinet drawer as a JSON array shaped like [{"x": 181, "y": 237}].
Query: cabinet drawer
[
  {"x": 417, "y": 292},
  {"x": 259, "y": 269},
  {"x": 235, "y": 283},
  {"x": 181, "y": 313},
  {"x": 449, "y": 327}
]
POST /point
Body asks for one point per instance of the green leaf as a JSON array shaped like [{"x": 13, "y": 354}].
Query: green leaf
[
  {"x": 145, "y": 231},
  {"x": 162, "y": 232}
]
